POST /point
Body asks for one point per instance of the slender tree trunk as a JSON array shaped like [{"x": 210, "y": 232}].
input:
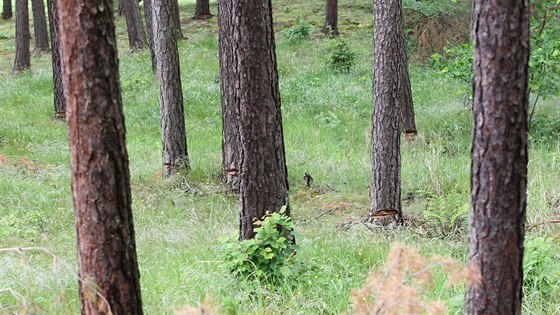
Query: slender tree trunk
[
  {"x": 385, "y": 188},
  {"x": 499, "y": 156},
  {"x": 134, "y": 27},
  {"x": 202, "y": 10},
  {"x": 40, "y": 26},
  {"x": 120, "y": 10},
  {"x": 58, "y": 90},
  {"x": 107, "y": 262},
  {"x": 7, "y": 9},
  {"x": 148, "y": 14},
  {"x": 176, "y": 19},
  {"x": 407, "y": 109},
  {"x": 264, "y": 184},
  {"x": 173, "y": 137},
  {"x": 331, "y": 18},
  {"x": 229, "y": 82},
  {"x": 22, "y": 60}
]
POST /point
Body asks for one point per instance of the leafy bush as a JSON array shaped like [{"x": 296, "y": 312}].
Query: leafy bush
[
  {"x": 544, "y": 65},
  {"x": 269, "y": 255},
  {"x": 540, "y": 266},
  {"x": 340, "y": 56},
  {"x": 300, "y": 31}
]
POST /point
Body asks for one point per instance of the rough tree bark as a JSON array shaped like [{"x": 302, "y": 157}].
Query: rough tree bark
[
  {"x": 136, "y": 37},
  {"x": 107, "y": 261},
  {"x": 499, "y": 156},
  {"x": 229, "y": 81},
  {"x": 385, "y": 186},
  {"x": 40, "y": 26},
  {"x": 7, "y": 9},
  {"x": 331, "y": 18},
  {"x": 176, "y": 19},
  {"x": 172, "y": 119},
  {"x": 202, "y": 10},
  {"x": 148, "y": 14},
  {"x": 264, "y": 184},
  {"x": 22, "y": 59},
  {"x": 58, "y": 90}
]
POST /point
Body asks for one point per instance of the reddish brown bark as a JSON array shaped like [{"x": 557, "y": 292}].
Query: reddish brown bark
[
  {"x": 58, "y": 90},
  {"x": 264, "y": 184},
  {"x": 107, "y": 262},
  {"x": 22, "y": 59},
  {"x": 499, "y": 156},
  {"x": 229, "y": 82}
]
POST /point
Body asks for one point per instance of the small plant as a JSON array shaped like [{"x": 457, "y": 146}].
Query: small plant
[
  {"x": 269, "y": 255},
  {"x": 446, "y": 214},
  {"x": 300, "y": 31},
  {"x": 340, "y": 56},
  {"x": 540, "y": 266}
]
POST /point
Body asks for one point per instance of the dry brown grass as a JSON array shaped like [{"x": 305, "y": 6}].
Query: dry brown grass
[{"x": 398, "y": 288}]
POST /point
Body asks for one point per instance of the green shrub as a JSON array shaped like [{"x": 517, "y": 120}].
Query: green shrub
[
  {"x": 269, "y": 255},
  {"x": 446, "y": 213},
  {"x": 541, "y": 267},
  {"x": 300, "y": 31},
  {"x": 340, "y": 56}
]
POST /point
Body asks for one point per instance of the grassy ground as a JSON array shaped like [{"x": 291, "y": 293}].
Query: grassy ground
[{"x": 178, "y": 221}]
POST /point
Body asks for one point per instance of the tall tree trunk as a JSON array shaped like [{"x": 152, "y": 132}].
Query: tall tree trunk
[
  {"x": 173, "y": 137},
  {"x": 499, "y": 156},
  {"x": 40, "y": 26},
  {"x": 176, "y": 19},
  {"x": 202, "y": 10},
  {"x": 107, "y": 262},
  {"x": 385, "y": 187},
  {"x": 229, "y": 82},
  {"x": 22, "y": 59},
  {"x": 7, "y": 9},
  {"x": 331, "y": 18},
  {"x": 134, "y": 27},
  {"x": 408, "y": 120},
  {"x": 58, "y": 90},
  {"x": 148, "y": 14},
  {"x": 264, "y": 183}
]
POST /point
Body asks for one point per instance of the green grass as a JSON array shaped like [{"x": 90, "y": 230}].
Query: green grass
[{"x": 178, "y": 221}]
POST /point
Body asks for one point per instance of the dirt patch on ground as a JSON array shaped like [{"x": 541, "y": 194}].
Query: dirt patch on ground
[{"x": 22, "y": 163}]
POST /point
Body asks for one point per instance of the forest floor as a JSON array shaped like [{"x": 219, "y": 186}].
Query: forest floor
[{"x": 327, "y": 117}]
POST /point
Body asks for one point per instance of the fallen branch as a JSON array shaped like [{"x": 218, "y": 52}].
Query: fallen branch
[{"x": 542, "y": 223}]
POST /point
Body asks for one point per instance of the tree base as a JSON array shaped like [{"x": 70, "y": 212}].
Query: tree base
[{"x": 203, "y": 17}]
